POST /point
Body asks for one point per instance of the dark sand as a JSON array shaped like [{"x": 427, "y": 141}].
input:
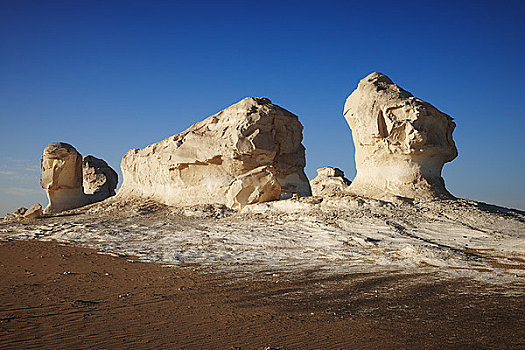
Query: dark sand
[{"x": 55, "y": 297}]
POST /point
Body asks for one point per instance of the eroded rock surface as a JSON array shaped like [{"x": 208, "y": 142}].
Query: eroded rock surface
[
  {"x": 99, "y": 179},
  {"x": 35, "y": 211},
  {"x": 329, "y": 181},
  {"x": 401, "y": 142},
  {"x": 62, "y": 178},
  {"x": 198, "y": 165},
  {"x": 23, "y": 213},
  {"x": 256, "y": 186}
]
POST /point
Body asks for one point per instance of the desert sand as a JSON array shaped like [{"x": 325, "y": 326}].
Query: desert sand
[{"x": 57, "y": 297}]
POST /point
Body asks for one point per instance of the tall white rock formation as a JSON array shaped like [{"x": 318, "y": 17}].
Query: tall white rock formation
[
  {"x": 198, "y": 165},
  {"x": 63, "y": 175},
  {"x": 401, "y": 142}
]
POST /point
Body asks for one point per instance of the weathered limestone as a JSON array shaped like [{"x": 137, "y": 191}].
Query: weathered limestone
[
  {"x": 99, "y": 179},
  {"x": 35, "y": 211},
  {"x": 23, "y": 213},
  {"x": 256, "y": 186},
  {"x": 197, "y": 166},
  {"x": 9, "y": 217},
  {"x": 401, "y": 142},
  {"x": 20, "y": 212},
  {"x": 62, "y": 178},
  {"x": 329, "y": 181},
  {"x": 16, "y": 215}
]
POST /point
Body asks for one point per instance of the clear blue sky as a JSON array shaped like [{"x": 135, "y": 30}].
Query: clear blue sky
[{"x": 107, "y": 76}]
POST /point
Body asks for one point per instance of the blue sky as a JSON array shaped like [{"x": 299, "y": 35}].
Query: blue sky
[{"x": 107, "y": 76}]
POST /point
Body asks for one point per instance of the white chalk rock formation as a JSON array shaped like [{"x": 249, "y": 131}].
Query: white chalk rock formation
[
  {"x": 401, "y": 142},
  {"x": 23, "y": 213},
  {"x": 99, "y": 179},
  {"x": 20, "y": 212},
  {"x": 62, "y": 178},
  {"x": 256, "y": 186},
  {"x": 35, "y": 211},
  {"x": 197, "y": 166},
  {"x": 329, "y": 181}
]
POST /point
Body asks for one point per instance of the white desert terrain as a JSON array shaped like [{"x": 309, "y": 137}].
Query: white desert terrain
[
  {"x": 229, "y": 197},
  {"x": 448, "y": 238},
  {"x": 230, "y": 192}
]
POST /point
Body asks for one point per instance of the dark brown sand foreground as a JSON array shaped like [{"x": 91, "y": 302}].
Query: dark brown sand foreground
[{"x": 55, "y": 296}]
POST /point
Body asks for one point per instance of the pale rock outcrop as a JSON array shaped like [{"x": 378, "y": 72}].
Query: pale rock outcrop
[
  {"x": 256, "y": 186},
  {"x": 35, "y": 211},
  {"x": 329, "y": 181},
  {"x": 99, "y": 179},
  {"x": 62, "y": 178},
  {"x": 20, "y": 212},
  {"x": 401, "y": 142},
  {"x": 16, "y": 215},
  {"x": 9, "y": 217},
  {"x": 197, "y": 166}
]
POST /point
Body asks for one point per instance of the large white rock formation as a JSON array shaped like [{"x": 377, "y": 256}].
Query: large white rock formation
[
  {"x": 329, "y": 182},
  {"x": 199, "y": 165},
  {"x": 401, "y": 142},
  {"x": 62, "y": 178}
]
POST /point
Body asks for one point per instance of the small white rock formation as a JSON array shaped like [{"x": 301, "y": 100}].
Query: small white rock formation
[
  {"x": 20, "y": 212},
  {"x": 99, "y": 179},
  {"x": 197, "y": 166},
  {"x": 23, "y": 213},
  {"x": 62, "y": 178},
  {"x": 35, "y": 211},
  {"x": 256, "y": 186},
  {"x": 329, "y": 181},
  {"x": 401, "y": 142}
]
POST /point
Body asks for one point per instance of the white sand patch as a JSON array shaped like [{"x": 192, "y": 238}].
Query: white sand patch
[{"x": 336, "y": 234}]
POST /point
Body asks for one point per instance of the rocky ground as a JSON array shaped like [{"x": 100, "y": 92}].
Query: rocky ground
[
  {"x": 336, "y": 234},
  {"x": 412, "y": 271}
]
